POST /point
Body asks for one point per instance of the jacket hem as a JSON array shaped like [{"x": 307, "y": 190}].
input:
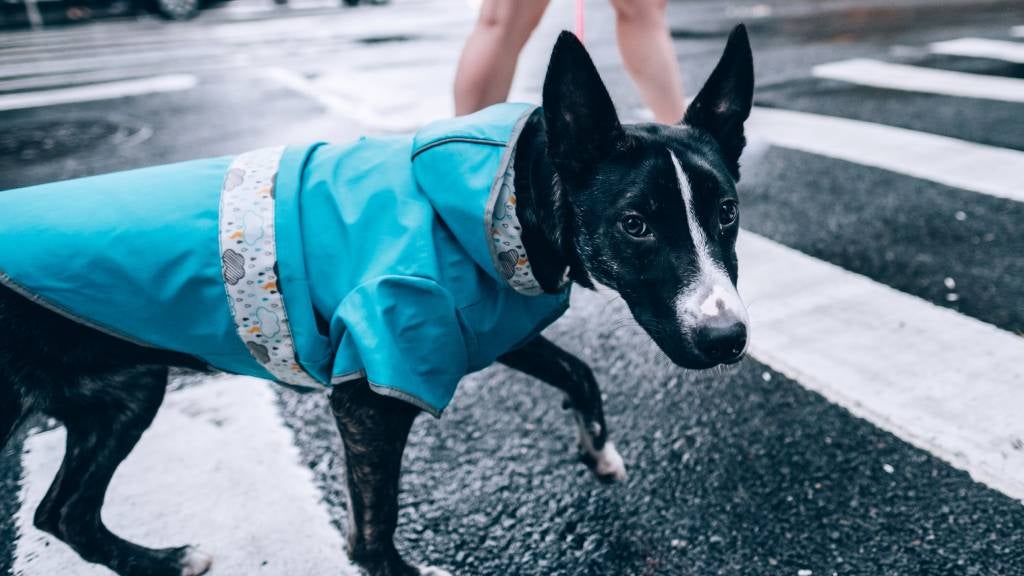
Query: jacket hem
[
  {"x": 57, "y": 309},
  {"x": 386, "y": 391},
  {"x": 347, "y": 377},
  {"x": 405, "y": 397}
]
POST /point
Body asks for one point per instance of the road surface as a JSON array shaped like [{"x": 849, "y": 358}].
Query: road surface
[{"x": 875, "y": 429}]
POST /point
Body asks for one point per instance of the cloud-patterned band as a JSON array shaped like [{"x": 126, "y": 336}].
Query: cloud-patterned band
[{"x": 249, "y": 265}]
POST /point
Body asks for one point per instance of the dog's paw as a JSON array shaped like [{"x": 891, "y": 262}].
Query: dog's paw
[
  {"x": 606, "y": 463},
  {"x": 194, "y": 562},
  {"x": 432, "y": 571}
]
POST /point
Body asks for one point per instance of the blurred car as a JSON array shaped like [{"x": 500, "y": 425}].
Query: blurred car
[
  {"x": 178, "y": 9},
  {"x": 14, "y": 13}
]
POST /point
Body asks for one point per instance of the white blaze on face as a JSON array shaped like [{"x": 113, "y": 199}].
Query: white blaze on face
[{"x": 711, "y": 294}]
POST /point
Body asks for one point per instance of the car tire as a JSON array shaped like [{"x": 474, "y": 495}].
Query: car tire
[{"x": 177, "y": 9}]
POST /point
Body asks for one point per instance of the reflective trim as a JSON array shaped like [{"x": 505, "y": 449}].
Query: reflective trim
[
  {"x": 386, "y": 391},
  {"x": 513, "y": 264},
  {"x": 58, "y": 309},
  {"x": 501, "y": 223},
  {"x": 405, "y": 397},
  {"x": 464, "y": 139},
  {"x": 347, "y": 377},
  {"x": 249, "y": 265}
]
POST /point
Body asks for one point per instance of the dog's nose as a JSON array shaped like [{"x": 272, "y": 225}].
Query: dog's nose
[{"x": 722, "y": 342}]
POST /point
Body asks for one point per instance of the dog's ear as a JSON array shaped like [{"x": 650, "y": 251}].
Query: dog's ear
[
  {"x": 582, "y": 126},
  {"x": 724, "y": 102}
]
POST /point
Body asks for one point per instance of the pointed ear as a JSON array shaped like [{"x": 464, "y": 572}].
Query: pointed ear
[
  {"x": 582, "y": 126},
  {"x": 724, "y": 102}
]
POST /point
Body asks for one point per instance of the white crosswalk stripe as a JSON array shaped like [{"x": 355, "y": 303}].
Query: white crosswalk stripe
[
  {"x": 104, "y": 91},
  {"x": 975, "y": 167},
  {"x": 942, "y": 381},
  {"x": 268, "y": 6},
  {"x": 75, "y": 80},
  {"x": 41, "y": 61},
  {"x": 981, "y": 48},
  {"x": 218, "y": 467},
  {"x": 130, "y": 58},
  {"x": 938, "y": 380},
  {"x": 917, "y": 79}
]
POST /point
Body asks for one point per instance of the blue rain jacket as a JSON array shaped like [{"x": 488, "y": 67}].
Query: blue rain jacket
[{"x": 396, "y": 259}]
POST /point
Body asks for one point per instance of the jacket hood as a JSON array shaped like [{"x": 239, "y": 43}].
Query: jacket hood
[{"x": 464, "y": 167}]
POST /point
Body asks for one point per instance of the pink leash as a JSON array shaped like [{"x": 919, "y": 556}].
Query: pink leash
[{"x": 579, "y": 20}]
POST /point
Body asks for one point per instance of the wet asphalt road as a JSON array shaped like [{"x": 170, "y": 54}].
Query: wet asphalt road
[{"x": 734, "y": 471}]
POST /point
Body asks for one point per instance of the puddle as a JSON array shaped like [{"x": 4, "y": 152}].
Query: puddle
[
  {"x": 387, "y": 39},
  {"x": 42, "y": 140}
]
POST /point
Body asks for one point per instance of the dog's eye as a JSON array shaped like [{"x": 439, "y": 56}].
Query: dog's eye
[
  {"x": 635, "y": 226},
  {"x": 728, "y": 211}
]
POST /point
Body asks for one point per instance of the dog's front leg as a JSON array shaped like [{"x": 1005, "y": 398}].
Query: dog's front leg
[
  {"x": 545, "y": 361},
  {"x": 374, "y": 429}
]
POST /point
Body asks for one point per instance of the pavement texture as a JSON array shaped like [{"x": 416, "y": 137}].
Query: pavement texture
[{"x": 732, "y": 471}]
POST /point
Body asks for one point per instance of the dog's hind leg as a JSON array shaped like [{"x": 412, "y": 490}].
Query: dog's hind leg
[
  {"x": 374, "y": 429},
  {"x": 545, "y": 361},
  {"x": 105, "y": 416}
]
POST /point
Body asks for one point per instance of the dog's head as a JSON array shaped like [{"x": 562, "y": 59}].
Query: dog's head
[{"x": 652, "y": 210}]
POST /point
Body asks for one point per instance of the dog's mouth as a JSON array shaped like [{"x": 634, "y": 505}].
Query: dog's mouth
[
  {"x": 693, "y": 360},
  {"x": 682, "y": 348}
]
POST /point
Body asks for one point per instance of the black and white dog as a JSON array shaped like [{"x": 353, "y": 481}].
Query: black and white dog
[{"x": 648, "y": 210}]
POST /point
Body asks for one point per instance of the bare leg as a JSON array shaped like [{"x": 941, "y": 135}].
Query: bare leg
[
  {"x": 488, "y": 60},
  {"x": 649, "y": 56},
  {"x": 105, "y": 417},
  {"x": 374, "y": 429},
  {"x": 545, "y": 361}
]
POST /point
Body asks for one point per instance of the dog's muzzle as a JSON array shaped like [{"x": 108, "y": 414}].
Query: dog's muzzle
[{"x": 717, "y": 320}]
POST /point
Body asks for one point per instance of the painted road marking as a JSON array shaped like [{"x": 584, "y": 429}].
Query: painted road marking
[
  {"x": 334, "y": 92},
  {"x": 329, "y": 100},
  {"x": 99, "y": 76},
  {"x": 878, "y": 74},
  {"x": 981, "y": 48},
  {"x": 238, "y": 9},
  {"x": 65, "y": 46},
  {"x": 984, "y": 169},
  {"x": 99, "y": 30},
  {"x": 105, "y": 91},
  {"x": 942, "y": 381},
  {"x": 158, "y": 57},
  {"x": 217, "y": 469},
  {"x": 387, "y": 91},
  {"x": 346, "y": 24}
]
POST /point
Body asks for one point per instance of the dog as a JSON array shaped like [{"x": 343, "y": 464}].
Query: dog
[{"x": 647, "y": 210}]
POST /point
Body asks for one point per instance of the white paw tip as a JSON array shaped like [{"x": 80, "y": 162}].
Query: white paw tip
[
  {"x": 609, "y": 463},
  {"x": 195, "y": 563},
  {"x": 433, "y": 571}
]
